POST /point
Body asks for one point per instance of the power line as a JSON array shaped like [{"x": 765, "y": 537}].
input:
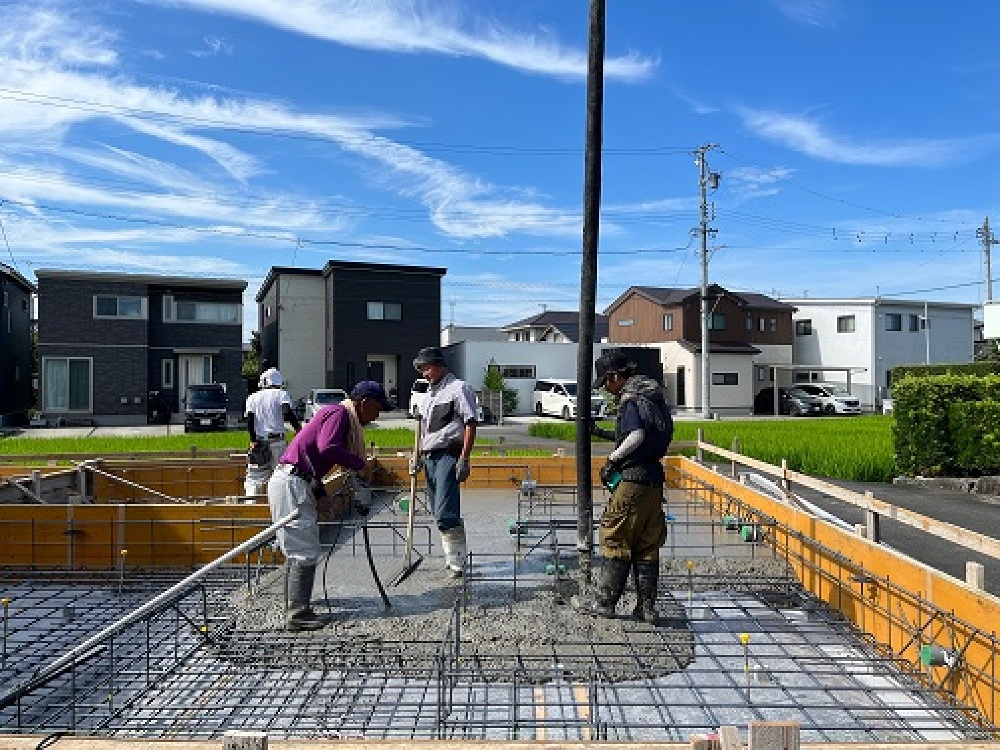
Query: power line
[
  {"x": 496, "y": 149},
  {"x": 291, "y": 238}
]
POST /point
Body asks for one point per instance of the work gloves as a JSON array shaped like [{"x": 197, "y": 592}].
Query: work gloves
[
  {"x": 611, "y": 474},
  {"x": 462, "y": 469}
]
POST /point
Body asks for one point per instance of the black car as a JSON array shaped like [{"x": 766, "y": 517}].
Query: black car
[
  {"x": 205, "y": 407},
  {"x": 792, "y": 401}
]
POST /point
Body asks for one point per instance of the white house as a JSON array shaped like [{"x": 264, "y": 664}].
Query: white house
[
  {"x": 867, "y": 338},
  {"x": 521, "y": 364}
]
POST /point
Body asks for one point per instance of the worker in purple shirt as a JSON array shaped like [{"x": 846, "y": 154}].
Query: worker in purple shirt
[{"x": 333, "y": 437}]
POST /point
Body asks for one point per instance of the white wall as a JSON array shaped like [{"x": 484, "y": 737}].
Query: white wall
[
  {"x": 875, "y": 349},
  {"x": 302, "y": 337},
  {"x": 469, "y": 360}
]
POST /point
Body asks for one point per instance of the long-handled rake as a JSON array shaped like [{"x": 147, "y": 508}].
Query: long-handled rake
[{"x": 410, "y": 564}]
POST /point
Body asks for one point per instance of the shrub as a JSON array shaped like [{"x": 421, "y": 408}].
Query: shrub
[
  {"x": 925, "y": 429},
  {"x": 976, "y": 435}
]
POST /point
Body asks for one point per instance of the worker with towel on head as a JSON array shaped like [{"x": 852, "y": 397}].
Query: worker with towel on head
[
  {"x": 333, "y": 437},
  {"x": 266, "y": 411},
  {"x": 448, "y": 433},
  {"x": 633, "y": 527}
]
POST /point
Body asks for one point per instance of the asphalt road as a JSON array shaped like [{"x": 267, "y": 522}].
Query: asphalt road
[{"x": 977, "y": 513}]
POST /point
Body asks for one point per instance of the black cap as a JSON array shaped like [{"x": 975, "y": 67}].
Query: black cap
[
  {"x": 429, "y": 355},
  {"x": 370, "y": 389},
  {"x": 610, "y": 362}
]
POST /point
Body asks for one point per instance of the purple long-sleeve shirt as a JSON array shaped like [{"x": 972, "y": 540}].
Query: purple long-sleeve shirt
[{"x": 319, "y": 446}]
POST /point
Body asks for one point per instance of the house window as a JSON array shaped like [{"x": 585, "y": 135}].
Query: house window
[
  {"x": 765, "y": 373},
  {"x": 845, "y": 324},
  {"x": 893, "y": 322},
  {"x": 717, "y": 322},
  {"x": 914, "y": 322},
  {"x": 668, "y": 321},
  {"x": 626, "y": 322},
  {"x": 517, "y": 371},
  {"x": 188, "y": 311},
  {"x": 749, "y": 323},
  {"x": 167, "y": 373},
  {"x": 725, "y": 378},
  {"x": 385, "y": 311},
  {"x": 803, "y": 327},
  {"x": 111, "y": 306},
  {"x": 760, "y": 324},
  {"x": 67, "y": 383},
  {"x": 773, "y": 325}
]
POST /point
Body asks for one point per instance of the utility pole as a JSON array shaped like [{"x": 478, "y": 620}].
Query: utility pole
[
  {"x": 706, "y": 179},
  {"x": 588, "y": 287},
  {"x": 988, "y": 239}
]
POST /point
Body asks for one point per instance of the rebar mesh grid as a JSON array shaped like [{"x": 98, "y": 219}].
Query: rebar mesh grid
[{"x": 746, "y": 643}]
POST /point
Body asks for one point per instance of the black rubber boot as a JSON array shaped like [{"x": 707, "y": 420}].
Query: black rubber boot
[
  {"x": 611, "y": 581},
  {"x": 300, "y": 615},
  {"x": 647, "y": 576}
]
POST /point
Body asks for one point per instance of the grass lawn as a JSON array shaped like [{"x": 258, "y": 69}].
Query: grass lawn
[{"x": 851, "y": 448}]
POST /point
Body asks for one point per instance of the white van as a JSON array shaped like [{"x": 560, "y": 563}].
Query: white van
[
  {"x": 418, "y": 392},
  {"x": 557, "y": 397},
  {"x": 836, "y": 399}
]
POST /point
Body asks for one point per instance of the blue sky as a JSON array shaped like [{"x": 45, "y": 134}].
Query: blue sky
[{"x": 858, "y": 143}]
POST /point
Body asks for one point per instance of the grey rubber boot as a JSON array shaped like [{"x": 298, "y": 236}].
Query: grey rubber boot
[
  {"x": 453, "y": 542},
  {"x": 647, "y": 577},
  {"x": 611, "y": 581},
  {"x": 299, "y": 614}
]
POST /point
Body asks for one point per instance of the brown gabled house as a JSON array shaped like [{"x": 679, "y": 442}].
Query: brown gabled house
[{"x": 748, "y": 333}]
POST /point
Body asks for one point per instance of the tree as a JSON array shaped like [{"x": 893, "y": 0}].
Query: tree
[
  {"x": 251, "y": 362},
  {"x": 493, "y": 381}
]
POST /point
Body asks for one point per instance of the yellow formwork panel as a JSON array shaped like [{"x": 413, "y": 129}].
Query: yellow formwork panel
[
  {"x": 900, "y": 603},
  {"x": 181, "y": 480},
  {"x": 94, "y": 536},
  {"x": 495, "y": 472}
]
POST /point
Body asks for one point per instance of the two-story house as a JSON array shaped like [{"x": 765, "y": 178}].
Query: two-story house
[
  {"x": 862, "y": 340},
  {"x": 749, "y": 336},
  {"x": 106, "y": 340},
  {"x": 555, "y": 326},
  {"x": 347, "y": 322},
  {"x": 16, "y": 391}
]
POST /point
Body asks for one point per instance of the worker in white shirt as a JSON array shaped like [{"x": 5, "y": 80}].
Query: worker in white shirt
[{"x": 266, "y": 412}]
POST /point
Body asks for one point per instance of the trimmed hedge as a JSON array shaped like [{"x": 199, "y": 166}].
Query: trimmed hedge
[
  {"x": 938, "y": 418},
  {"x": 978, "y": 369},
  {"x": 976, "y": 432}
]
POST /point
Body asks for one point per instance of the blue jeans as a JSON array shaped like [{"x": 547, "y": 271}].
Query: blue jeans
[{"x": 446, "y": 501}]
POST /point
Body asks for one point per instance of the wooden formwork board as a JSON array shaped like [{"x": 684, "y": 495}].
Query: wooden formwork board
[
  {"x": 94, "y": 536},
  {"x": 27, "y": 742},
  {"x": 180, "y": 480},
  {"x": 901, "y": 603},
  {"x": 497, "y": 472}
]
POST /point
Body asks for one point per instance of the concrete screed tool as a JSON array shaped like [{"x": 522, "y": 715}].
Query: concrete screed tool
[{"x": 410, "y": 564}]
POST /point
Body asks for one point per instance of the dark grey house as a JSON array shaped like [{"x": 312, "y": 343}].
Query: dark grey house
[
  {"x": 347, "y": 322},
  {"x": 107, "y": 340},
  {"x": 15, "y": 347},
  {"x": 555, "y": 326}
]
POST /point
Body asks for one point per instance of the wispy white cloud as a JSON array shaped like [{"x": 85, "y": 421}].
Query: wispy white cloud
[
  {"x": 697, "y": 106},
  {"x": 809, "y": 137},
  {"x": 213, "y": 46},
  {"x": 43, "y": 105},
  {"x": 811, "y": 12},
  {"x": 418, "y": 26},
  {"x": 754, "y": 182}
]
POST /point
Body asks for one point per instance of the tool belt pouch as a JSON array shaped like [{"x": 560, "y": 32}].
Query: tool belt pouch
[{"x": 259, "y": 455}]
